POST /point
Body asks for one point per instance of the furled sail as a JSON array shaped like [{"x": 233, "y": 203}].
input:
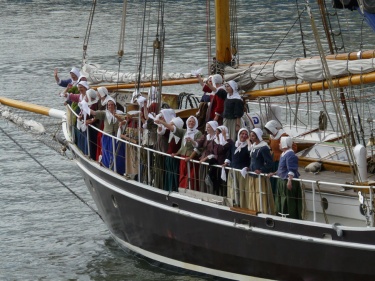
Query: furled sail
[
  {"x": 307, "y": 70},
  {"x": 96, "y": 75}
]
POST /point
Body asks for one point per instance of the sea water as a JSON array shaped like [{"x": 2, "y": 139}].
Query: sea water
[{"x": 46, "y": 231}]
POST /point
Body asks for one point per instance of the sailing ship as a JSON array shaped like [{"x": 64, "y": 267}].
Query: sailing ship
[{"x": 201, "y": 232}]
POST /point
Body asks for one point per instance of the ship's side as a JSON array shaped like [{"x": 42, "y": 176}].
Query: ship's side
[{"x": 191, "y": 234}]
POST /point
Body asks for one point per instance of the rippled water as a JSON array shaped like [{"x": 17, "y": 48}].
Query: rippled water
[{"x": 46, "y": 233}]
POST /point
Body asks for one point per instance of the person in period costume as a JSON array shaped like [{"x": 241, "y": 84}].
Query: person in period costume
[
  {"x": 162, "y": 145},
  {"x": 92, "y": 123},
  {"x": 275, "y": 131},
  {"x": 238, "y": 157},
  {"x": 233, "y": 109},
  {"x": 102, "y": 103},
  {"x": 205, "y": 144},
  {"x": 187, "y": 151},
  {"x": 111, "y": 154},
  {"x": 80, "y": 136},
  {"x": 222, "y": 145},
  {"x": 148, "y": 139},
  {"x": 204, "y": 102},
  {"x": 260, "y": 192},
  {"x": 288, "y": 198},
  {"x": 73, "y": 80},
  {"x": 171, "y": 166},
  {"x": 216, "y": 108}
]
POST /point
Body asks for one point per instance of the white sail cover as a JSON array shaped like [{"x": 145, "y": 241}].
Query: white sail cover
[
  {"x": 307, "y": 70},
  {"x": 96, "y": 75}
]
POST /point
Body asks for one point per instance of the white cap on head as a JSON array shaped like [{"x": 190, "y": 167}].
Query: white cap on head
[
  {"x": 84, "y": 84},
  {"x": 217, "y": 79},
  {"x": 109, "y": 98},
  {"x": 233, "y": 84},
  {"x": 178, "y": 122},
  {"x": 102, "y": 91},
  {"x": 286, "y": 142},
  {"x": 168, "y": 114},
  {"x": 82, "y": 77},
  {"x": 75, "y": 71},
  {"x": 213, "y": 124},
  {"x": 92, "y": 96},
  {"x": 273, "y": 126},
  {"x": 259, "y": 133}
]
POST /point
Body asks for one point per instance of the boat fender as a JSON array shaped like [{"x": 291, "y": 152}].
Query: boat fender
[
  {"x": 314, "y": 167},
  {"x": 339, "y": 231},
  {"x": 360, "y": 155}
]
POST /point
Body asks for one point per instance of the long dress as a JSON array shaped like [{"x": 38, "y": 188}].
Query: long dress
[
  {"x": 171, "y": 166},
  {"x": 162, "y": 146},
  {"x": 185, "y": 151},
  {"x": 288, "y": 202},
  {"x": 239, "y": 158},
  {"x": 111, "y": 147},
  {"x": 233, "y": 110},
  {"x": 260, "y": 193}
]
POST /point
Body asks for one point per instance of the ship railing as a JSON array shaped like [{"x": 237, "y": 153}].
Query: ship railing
[{"x": 143, "y": 168}]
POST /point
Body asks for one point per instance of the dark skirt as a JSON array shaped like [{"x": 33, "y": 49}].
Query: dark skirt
[
  {"x": 287, "y": 201},
  {"x": 171, "y": 174},
  {"x": 107, "y": 154}
]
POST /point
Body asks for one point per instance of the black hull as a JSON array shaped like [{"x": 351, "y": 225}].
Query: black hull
[{"x": 203, "y": 237}]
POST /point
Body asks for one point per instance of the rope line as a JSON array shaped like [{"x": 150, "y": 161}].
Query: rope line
[{"x": 49, "y": 172}]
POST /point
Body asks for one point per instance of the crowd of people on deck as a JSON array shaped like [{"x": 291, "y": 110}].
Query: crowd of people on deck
[{"x": 224, "y": 149}]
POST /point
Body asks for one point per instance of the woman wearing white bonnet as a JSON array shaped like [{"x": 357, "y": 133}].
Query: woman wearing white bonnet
[
  {"x": 216, "y": 108},
  {"x": 111, "y": 126},
  {"x": 288, "y": 198},
  {"x": 74, "y": 75},
  {"x": 171, "y": 165},
  {"x": 103, "y": 94},
  {"x": 162, "y": 146},
  {"x": 275, "y": 131},
  {"x": 238, "y": 158},
  {"x": 187, "y": 150},
  {"x": 233, "y": 109},
  {"x": 261, "y": 162}
]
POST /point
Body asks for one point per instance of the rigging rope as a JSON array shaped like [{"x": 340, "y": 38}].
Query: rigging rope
[
  {"x": 277, "y": 47},
  {"x": 208, "y": 38},
  {"x": 301, "y": 31},
  {"x": 49, "y": 172},
  {"x": 234, "y": 32},
  {"x": 337, "y": 109},
  {"x": 88, "y": 31}
]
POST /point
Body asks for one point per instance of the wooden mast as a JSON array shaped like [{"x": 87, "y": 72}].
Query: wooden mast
[{"x": 222, "y": 31}]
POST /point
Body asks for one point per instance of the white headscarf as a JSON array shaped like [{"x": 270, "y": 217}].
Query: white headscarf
[
  {"x": 258, "y": 132},
  {"x": 76, "y": 72},
  {"x": 190, "y": 133},
  {"x": 102, "y": 91},
  {"x": 177, "y": 121},
  {"x": 84, "y": 84},
  {"x": 217, "y": 80},
  {"x": 168, "y": 114},
  {"x": 238, "y": 144},
  {"x": 275, "y": 128},
  {"x": 110, "y": 118},
  {"x": 92, "y": 97},
  {"x": 234, "y": 87},
  {"x": 221, "y": 139},
  {"x": 214, "y": 126},
  {"x": 286, "y": 142}
]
